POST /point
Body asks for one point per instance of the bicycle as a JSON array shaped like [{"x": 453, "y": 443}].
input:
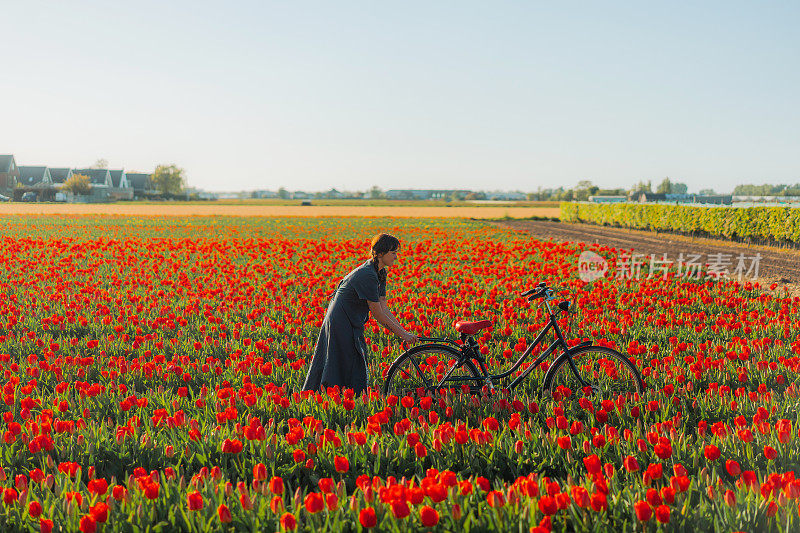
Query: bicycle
[{"x": 594, "y": 371}]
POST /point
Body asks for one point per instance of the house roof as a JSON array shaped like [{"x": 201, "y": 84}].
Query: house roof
[
  {"x": 97, "y": 176},
  {"x": 29, "y": 175},
  {"x": 60, "y": 175},
  {"x": 654, "y": 195},
  {"x": 5, "y": 162},
  {"x": 116, "y": 177},
  {"x": 138, "y": 180}
]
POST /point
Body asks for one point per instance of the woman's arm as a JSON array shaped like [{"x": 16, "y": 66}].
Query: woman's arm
[
  {"x": 387, "y": 319},
  {"x": 387, "y": 312}
]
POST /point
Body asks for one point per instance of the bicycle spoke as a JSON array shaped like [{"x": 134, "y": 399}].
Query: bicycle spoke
[
  {"x": 422, "y": 373},
  {"x": 606, "y": 376}
]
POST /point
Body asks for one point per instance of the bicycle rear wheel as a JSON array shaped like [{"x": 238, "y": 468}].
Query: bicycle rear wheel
[
  {"x": 420, "y": 370},
  {"x": 607, "y": 373}
]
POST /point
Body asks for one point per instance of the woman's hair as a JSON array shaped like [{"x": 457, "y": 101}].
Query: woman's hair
[{"x": 381, "y": 244}]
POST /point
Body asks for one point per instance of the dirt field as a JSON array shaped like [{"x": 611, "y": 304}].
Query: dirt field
[
  {"x": 777, "y": 264},
  {"x": 174, "y": 209}
]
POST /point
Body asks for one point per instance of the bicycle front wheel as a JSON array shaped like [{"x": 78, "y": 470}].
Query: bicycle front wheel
[
  {"x": 606, "y": 373},
  {"x": 420, "y": 371}
]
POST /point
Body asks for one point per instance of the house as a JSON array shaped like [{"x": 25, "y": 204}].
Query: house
[
  {"x": 9, "y": 172},
  {"x": 119, "y": 179},
  {"x": 506, "y": 196},
  {"x": 766, "y": 199},
  {"x": 301, "y": 195},
  {"x": 597, "y": 199},
  {"x": 264, "y": 194},
  {"x": 140, "y": 183},
  {"x": 34, "y": 176},
  {"x": 646, "y": 197},
  {"x": 98, "y": 177},
  {"x": 721, "y": 199},
  {"x": 60, "y": 175}
]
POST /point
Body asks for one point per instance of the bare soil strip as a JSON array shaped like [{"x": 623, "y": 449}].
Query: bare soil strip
[
  {"x": 781, "y": 265},
  {"x": 183, "y": 210}
]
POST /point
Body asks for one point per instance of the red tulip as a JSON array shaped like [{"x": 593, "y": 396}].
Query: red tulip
[
  {"x": 87, "y": 524},
  {"x": 276, "y": 485},
  {"x": 662, "y": 514},
  {"x": 580, "y": 496},
  {"x": 400, "y": 509},
  {"x": 733, "y": 467},
  {"x": 495, "y": 498},
  {"x": 224, "y": 514},
  {"x": 341, "y": 464},
  {"x": 630, "y": 463},
  {"x": 288, "y": 521},
  {"x": 420, "y": 450},
  {"x": 643, "y": 511},
  {"x": 34, "y": 509},
  {"x": 314, "y": 502},
  {"x": 711, "y": 452},
  {"x": 592, "y": 464},
  {"x": 99, "y": 511},
  {"x": 97, "y": 486},
  {"x": 367, "y": 518},
  {"x": 428, "y": 516},
  {"x": 548, "y": 505},
  {"x": 194, "y": 501}
]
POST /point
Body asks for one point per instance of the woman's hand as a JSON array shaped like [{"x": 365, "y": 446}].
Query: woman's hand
[{"x": 409, "y": 337}]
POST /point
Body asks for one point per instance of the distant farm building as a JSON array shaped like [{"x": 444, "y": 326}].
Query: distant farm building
[
  {"x": 9, "y": 173},
  {"x": 34, "y": 176},
  {"x": 60, "y": 175},
  {"x": 141, "y": 184},
  {"x": 598, "y": 199}
]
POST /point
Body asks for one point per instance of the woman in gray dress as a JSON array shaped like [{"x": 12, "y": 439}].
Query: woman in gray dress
[{"x": 340, "y": 353}]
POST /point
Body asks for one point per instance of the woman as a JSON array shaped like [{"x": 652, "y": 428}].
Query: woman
[{"x": 340, "y": 354}]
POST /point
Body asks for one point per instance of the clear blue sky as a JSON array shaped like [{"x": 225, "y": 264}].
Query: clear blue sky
[{"x": 480, "y": 95}]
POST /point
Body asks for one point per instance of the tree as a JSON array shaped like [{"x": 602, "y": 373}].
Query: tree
[
  {"x": 610, "y": 192},
  {"x": 456, "y": 196},
  {"x": 78, "y": 184},
  {"x": 100, "y": 163},
  {"x": 168, "y": 180},
  {"x": 283, "y": 194},
  {"x": 642, "y": 187},
  {"x": 679, "y": 188},
  {"x": 665, "y": 187},
  {"x": 707, "y": 192},
  {"x": 375, "y": 192},
  {"x": 476, "y": 196}
]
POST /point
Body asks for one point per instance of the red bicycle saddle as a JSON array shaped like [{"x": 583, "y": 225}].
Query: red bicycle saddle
[{"x": 471, "y": 328}]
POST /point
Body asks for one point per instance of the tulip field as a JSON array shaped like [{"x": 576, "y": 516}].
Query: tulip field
[{"x": 151, "y": 373}]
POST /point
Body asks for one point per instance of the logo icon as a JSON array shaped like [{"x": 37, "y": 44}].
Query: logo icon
[{"x": 591, "y": 266}]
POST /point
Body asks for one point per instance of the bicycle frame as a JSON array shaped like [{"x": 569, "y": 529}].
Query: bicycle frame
[{"x": 469, "y": 351}]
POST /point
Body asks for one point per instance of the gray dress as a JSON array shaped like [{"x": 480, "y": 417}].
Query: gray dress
[{"x": 340, "y": 354}]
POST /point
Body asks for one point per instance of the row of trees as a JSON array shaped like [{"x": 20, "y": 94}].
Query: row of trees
[
  {"x": 585, "y": 188},
  {"x": 581, "y": 192},
  {"x": 767, "y": 190},
  {"x": 376, "y": 192}
]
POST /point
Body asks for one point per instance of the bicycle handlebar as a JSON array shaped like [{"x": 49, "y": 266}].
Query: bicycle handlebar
[{"x": 541, "y": 291}]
